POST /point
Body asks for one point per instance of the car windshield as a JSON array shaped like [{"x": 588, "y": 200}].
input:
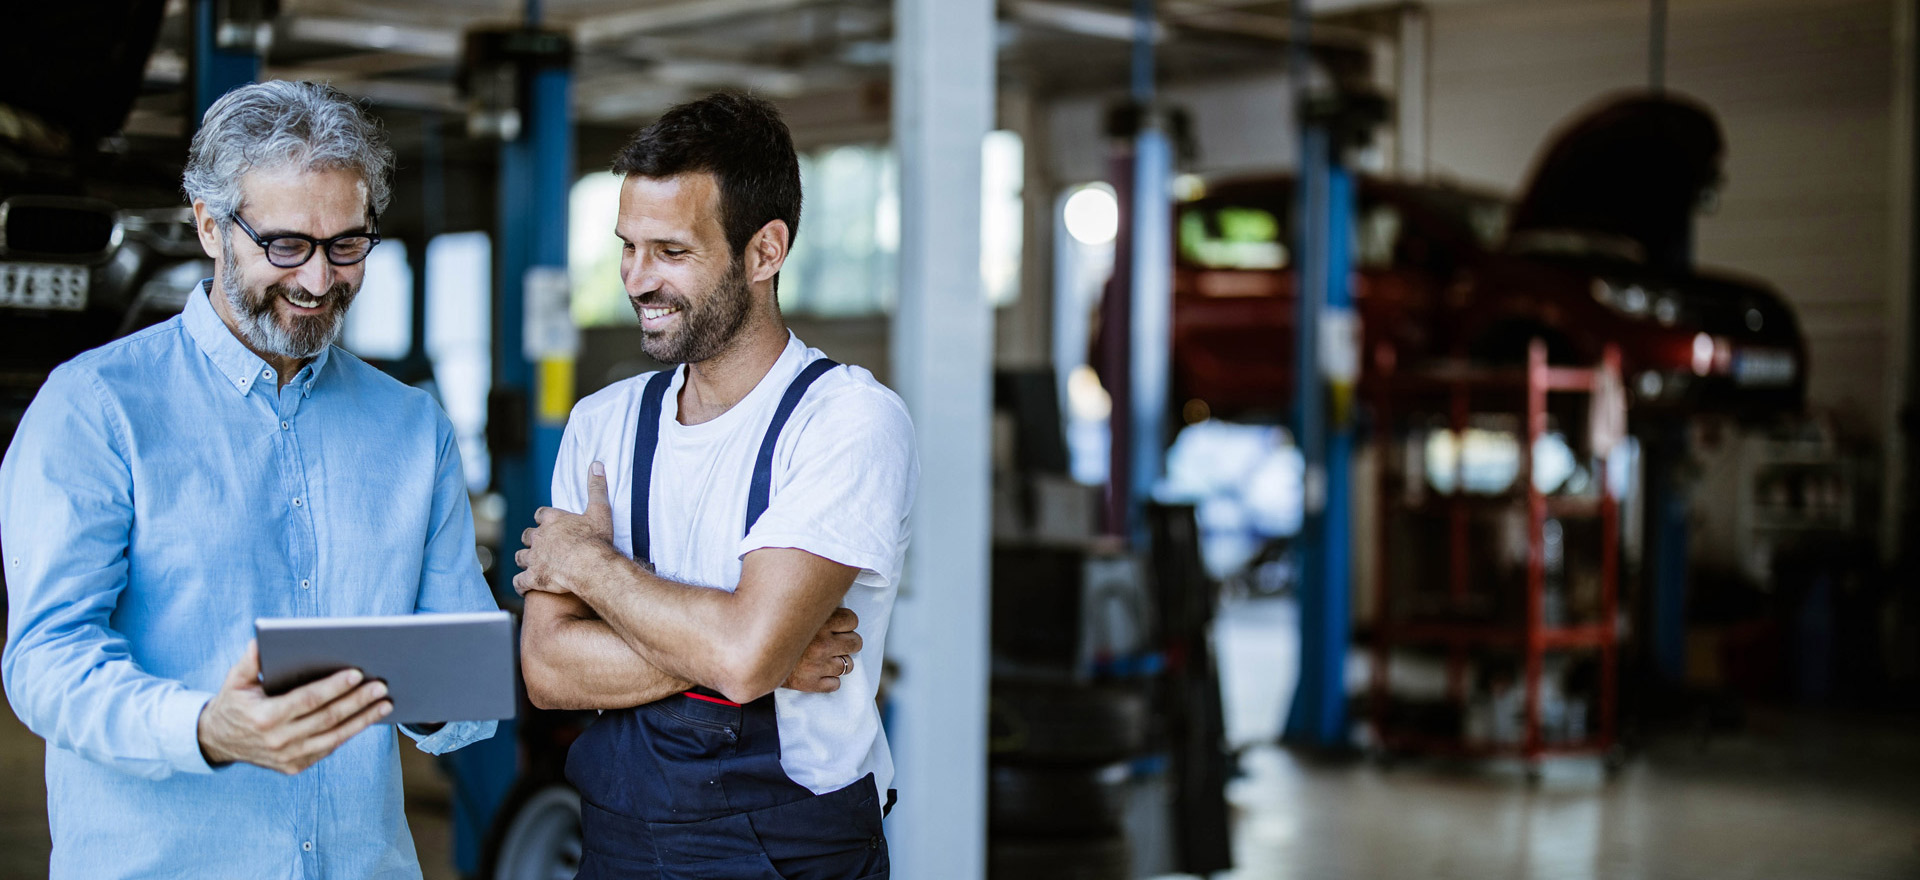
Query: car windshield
[{"x": 1256, "y": 232}]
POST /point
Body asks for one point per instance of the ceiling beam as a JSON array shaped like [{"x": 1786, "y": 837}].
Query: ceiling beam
[
  {"x": 430, "y": 42},
  {"x": 598, "y": 30}
]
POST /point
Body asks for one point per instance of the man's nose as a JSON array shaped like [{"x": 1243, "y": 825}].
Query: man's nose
[
  {"x": 316, "y": 275},
  {"x": 643, "y": 278}
]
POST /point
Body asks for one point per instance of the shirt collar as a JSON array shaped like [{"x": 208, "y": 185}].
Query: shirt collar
[{"x": 235, "y": 361}]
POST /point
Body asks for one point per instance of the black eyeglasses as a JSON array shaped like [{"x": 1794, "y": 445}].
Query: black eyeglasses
[{"x": 291, "y": 250}]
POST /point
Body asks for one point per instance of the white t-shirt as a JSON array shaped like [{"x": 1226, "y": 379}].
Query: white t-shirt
[{"x": 844, "y": 474}]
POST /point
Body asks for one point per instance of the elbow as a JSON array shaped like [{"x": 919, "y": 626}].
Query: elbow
[
  {"x": 752, "y": 674},
  {"x": 539, "y": 692},
  {"x": 546, "y": 689}
]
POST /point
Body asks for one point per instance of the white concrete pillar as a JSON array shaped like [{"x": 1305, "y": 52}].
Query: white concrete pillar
[{"x": 943, "y": 99}]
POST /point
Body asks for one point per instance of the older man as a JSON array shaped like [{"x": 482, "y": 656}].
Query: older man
[{"x": 165, "y": 490}]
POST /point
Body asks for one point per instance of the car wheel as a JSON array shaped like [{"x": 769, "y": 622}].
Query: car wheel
[{"x": 537, "y": 836}]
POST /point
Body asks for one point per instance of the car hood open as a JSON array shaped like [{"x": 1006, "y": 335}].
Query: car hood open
[{"x": 1625, "y": 177}]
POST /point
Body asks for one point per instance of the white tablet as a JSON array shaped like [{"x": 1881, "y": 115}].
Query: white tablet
[{"x": 438, "y": 667}]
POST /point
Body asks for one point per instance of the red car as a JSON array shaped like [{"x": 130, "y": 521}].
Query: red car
[{"x": 1596, "y": 253}]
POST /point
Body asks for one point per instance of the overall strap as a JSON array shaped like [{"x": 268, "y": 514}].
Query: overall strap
[
  {"x": 761, "y": 493},
  {"x": 646, "y": 438}
]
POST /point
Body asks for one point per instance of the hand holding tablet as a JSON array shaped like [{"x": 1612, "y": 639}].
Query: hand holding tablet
[{"x": 437, "y": 667}]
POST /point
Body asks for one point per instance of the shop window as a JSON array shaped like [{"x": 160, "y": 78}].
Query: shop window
[{"x": 380, "y": 324}]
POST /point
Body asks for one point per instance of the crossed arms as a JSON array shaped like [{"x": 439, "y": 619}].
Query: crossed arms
[{"x": 600, "y": 631}]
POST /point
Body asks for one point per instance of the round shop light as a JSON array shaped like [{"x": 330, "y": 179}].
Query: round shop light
[
  {"x": 1092, "y": 214},
  {"x": 1702, "y": 354}
]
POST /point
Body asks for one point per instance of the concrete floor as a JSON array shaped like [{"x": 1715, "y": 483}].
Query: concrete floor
[
  {"x": 1671, "y": 815},
  {"x": 1795, "y": 795}
]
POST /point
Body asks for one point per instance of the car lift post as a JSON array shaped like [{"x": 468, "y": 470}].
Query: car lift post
[
  {"x": 224, "y": 56},
  {"x": 1151, "y": 265},
  {"x": 1327, "y": 366},
  {"x": 521, "y": 83}
]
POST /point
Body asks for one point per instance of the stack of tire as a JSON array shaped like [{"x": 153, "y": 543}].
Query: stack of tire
[{"x": 1060, "y": 757}]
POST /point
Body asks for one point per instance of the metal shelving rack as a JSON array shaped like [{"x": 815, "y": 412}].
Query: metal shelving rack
[{"x": 1460, "y": 386}]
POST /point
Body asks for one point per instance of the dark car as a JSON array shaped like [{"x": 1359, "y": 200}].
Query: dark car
[
  {"x": 1597, "y": 253},
  {"x": 93, "y": 241}
]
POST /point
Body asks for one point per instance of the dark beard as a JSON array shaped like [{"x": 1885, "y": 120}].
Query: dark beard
[
  {"x": 706, "y": 329},
  {"x": 261, "y": 326}
]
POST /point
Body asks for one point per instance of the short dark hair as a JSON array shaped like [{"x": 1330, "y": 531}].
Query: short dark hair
[{"x": 739, "y": 139}]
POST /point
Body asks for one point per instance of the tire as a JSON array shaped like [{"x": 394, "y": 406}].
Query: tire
[
  {"x": 1099, "y": 859},
  {"x": 1069, "y": 724},
  {"x": 536, "y": 835},
  {"x": 1048, "y": 801}
]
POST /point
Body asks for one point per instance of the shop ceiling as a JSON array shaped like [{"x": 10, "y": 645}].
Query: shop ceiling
[{"x": 637, "y": 58}]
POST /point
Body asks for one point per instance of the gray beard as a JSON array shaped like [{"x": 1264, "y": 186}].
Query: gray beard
[{"x": 258, "y": 326}]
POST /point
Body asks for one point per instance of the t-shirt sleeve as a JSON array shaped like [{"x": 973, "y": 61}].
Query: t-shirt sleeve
[
  {"x": 570, "y": 464},
  {"x": 846, "y": 490}
]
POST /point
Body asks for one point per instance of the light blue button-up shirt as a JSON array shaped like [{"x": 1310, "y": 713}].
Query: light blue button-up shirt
[{"x": 161, "y": 493}]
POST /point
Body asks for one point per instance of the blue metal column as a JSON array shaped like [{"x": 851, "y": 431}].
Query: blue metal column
[
  {"x": 215, "y": 71},
  {"x": 536, "y": 177},
  {"x": 1151, "y": 253},
  {"x": 1668, "y": 508},
  {"x": 1324, "y": 332}
]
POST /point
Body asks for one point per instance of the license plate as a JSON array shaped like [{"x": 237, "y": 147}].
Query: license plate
[
  {"x": 41, "y": 286},
  {"x": 1763, "y": 366}
]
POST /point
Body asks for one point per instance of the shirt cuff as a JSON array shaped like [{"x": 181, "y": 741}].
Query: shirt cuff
[
  {"x": 179, "y": 730},
  {"x": 452, "y": 736}
]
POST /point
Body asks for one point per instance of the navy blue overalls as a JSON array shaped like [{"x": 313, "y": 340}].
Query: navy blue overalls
[{"x": 690, "y": 787}]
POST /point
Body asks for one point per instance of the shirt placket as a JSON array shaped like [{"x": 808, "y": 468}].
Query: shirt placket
[{"x": 303, "y": 563}]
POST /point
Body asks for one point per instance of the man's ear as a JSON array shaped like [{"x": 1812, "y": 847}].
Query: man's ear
[
  {"x": 767, "y": 251},
  {"x": 208, "y": 228}
]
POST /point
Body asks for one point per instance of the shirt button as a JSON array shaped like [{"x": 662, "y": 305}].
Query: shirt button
[
  {"x": 296, "y": 502},
  {"x": 306, "y": 584},
  {"x": 306, "y": 845},
  {"x": 268, "y": 374},
  {"x": 284, "y": 426}
]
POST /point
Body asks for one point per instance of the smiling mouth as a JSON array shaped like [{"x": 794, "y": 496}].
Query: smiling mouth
[
  {"x": 300, "y": 300},
  {"x": 650, "y": 314}
]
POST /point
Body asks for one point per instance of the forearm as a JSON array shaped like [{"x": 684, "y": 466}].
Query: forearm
[
  {"x": 572, "y": 660},
  {"x": 742, "y": 643}
]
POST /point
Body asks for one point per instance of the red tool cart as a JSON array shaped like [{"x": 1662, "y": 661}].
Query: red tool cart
[{"x": 1437, "y": 583}]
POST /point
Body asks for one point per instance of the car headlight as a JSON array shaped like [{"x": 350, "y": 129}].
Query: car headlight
[{"x": 1631, "y": 299}]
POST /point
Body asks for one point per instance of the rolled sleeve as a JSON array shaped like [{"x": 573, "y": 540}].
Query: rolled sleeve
[{"x": 454, "y": 735}]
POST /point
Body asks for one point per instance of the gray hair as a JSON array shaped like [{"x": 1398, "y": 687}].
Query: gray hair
[{"x": 278, "y": 124}]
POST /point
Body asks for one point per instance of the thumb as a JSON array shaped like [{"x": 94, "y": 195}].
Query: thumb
[
  {"x": 246, "y": 673},
  {"x": 598, "y": 508}
]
